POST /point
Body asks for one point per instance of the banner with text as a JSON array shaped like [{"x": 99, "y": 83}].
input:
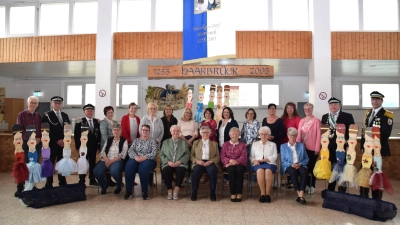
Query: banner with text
[{"x": 208, "y": 30}]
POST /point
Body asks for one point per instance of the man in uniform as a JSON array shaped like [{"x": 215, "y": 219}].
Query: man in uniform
[
  {"x": 93, "y": 144},
  {"x": 382, "y": 118},
  {"x": 25, "y": 118},
  {"x": 336, "y": 116},
  {"x": 56, "y": 119}
]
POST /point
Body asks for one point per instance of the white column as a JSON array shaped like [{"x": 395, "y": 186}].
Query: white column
[
  {"x": 106, "y": 66},
  {"x": 320, "y": 78}
]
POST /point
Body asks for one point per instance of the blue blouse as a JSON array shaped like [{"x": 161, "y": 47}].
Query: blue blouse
[{"x": 249, "y": 131}]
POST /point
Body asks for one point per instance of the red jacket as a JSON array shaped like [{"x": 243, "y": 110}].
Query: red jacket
[{"x": 126, "y": 127}]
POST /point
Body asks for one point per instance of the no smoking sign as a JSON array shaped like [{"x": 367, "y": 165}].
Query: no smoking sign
[
  {"x": 102, "y": 93},
  {"x": 322, "y": 95}
]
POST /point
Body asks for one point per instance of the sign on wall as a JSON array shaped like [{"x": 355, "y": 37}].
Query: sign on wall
[
  {"x": 204, "y": 71},
  {"x": 208, "y": 30}
]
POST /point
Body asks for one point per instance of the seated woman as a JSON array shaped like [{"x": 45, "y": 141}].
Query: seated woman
[
  {"x": 142, "y": 160},
  {"x": 205, "y": 158},
  {"x": 174, "y": 159},
  {"x": 112, "y": 155},
  {"x": 263, "y": 158},
  {"x": 234, "y": 161},
  {"x": 294, "y": 162}
]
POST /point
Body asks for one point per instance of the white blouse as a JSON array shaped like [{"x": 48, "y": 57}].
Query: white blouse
[{"x": 260, "y": 151}]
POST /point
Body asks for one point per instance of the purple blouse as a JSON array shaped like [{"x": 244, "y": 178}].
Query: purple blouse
[
  {"x": 237, "y": 152},
  {"x": 45, "y": 153},
  {"x": 26, "y": 118}
]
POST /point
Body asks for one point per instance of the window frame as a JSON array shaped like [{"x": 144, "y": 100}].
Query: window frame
[
  {"x": 71, "y": 106},
  {"x": 35, "y": 23},
  {"x": 120, "y": 84},
  {"x": 40, "y": 17}
]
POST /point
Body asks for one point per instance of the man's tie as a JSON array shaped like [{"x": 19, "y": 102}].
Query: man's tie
[
  {"x": 91, "y": 125},
  {"x": 371, "y": 117},
  {"x": 59, "y": 118}
]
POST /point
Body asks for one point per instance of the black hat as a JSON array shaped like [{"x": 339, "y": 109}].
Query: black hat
[
  {"x": 29, "y": 130},
  {"x": 334, "y": 100},
  {"x": 84, "y": 127},
  {"x": 376, "y": 94},
  {"x": 88, "y": 106},
  {"x": 45, "y": 126},
  {"x": 57, "y": 98},
  {"x": 16, "y": 128}
]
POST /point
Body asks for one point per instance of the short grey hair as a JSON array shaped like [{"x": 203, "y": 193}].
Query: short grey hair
[
  {"x": 173, "y": 126},
  {"x": 205, "y": 128},
  {"x": 117, "y": 126},
  {"x": 32, "y": 97},
  {"x": 309, "y": 104},
  {"x": 233, "y": 129},
  {"x": 266, "y": 129},
  {"x": 292, "y": 131}
]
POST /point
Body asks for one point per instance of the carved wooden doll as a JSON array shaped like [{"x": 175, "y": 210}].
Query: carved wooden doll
[
  {"x": 218, "y": 113},
  {"x": 322, "y": 169},
  {"x": 366, "y": 161},
  {"x": 337, "y": 172},
  {"x": 200, "y": 105},
  {"x": 20, "y": 170},
  {"x": 212, "y": 96},
  {"x": 350, "y": 171},
  {"x": 83, "y": 164},
  {"x": 227, "y": 90},
  {"x": 66, "y": 165},
  {"x": 190, "y": 96},
  {"x": 47, "y": 165},
  {"x": 35, "y": 170}
]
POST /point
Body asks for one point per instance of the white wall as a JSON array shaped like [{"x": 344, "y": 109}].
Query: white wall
[{"x": 9, "y": 84}]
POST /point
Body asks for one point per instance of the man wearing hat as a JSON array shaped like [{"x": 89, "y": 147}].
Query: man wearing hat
[
  {"x": 93, "y": 144},
  {"x": 382, "y": 118},
  {"x": 336, "y": 116},
  {"x": 56, "y": 119},
  {"x": 26, "y": 118}
]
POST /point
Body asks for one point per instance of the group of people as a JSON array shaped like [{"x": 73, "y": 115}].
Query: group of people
[{"x": 288, "y": 142}]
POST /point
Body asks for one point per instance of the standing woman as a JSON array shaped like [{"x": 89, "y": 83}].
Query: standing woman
[
  {"x": 291, "y": 118},
  {"x": 210, "y": 122},
  {"x": 130, "y": 124},
  {"x": 276, "y": 125},
  {"x": 168, "y": 121},
  {"x": 225, "y": 125},
  {"x": 309, "y": 134},
  {"x": 249, "y": 132}
]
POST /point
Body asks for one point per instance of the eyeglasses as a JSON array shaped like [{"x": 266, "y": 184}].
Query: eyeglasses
[
  {"x": 33, "y": 103},
  {"x": 146, "y": 130},
  {"x": 271, "y": 108},
  {"x": 264, "y": 134},
  {"x": 205, "y": 132},
  {"x": 152, "y": 108}
]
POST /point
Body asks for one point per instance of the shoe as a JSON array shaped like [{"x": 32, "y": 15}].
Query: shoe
[
  {"x": 47, "y": 186},
  {"x": 128, "y": 195},
  {"x": 175, "y": 196},
  {"x": 298, "y": 199},
  {"x": 117, "y": 191},
  {"x": 93, "y": 182},
  {"x": 307, "y": 190},
  {"x": 193, "y": 197},
  {"x": 302, "y": 201},
  {"x": 238, "y": 200},
  {"x": 262, "y": 199},
  {"x": 312, "y": 190},
  {"x": 268, "y": 199},
  {"x": 17, "y": 194},
  {"x": 233, "y": 199},
  {"x": 213, "y": 197},
  {"x": 104, "y": 191},
  {"x": 111, "y": 183},
  {"x": 169, "y": 196},
  {"x": 145, "y": 196}
]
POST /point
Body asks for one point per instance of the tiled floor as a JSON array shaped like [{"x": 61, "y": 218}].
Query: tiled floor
[{"x": 113, "y": 209}]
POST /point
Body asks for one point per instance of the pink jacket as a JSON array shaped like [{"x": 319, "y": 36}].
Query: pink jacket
[
  {"x": 237, "y": 152},
  {"x": 311, "y": 133}
]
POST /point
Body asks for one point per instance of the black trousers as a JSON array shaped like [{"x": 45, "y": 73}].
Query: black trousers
[
  {"x": 236, "y": 177},
  {"x": 312, "y": 159},
  {"x": 168, "y": 173},
  {"x": 294, "y": 176},
  {"x": 56, "y": 152},
  {"x": 212, "y": 173},
  {"x": 25, "y": 147}
]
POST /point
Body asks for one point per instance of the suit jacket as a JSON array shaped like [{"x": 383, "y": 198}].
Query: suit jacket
[
  {"x": 287, "y": 156},
  {"x": 344, "y": 118},
  {"x": 228, "y": 127},
  {"x": 167, "y": 152},
  {"x": 56, "y": 129},
  {"x": 93, "y": 138},
  {"x": 197, "y": 152},
  {"x": 384, "y": 120}
]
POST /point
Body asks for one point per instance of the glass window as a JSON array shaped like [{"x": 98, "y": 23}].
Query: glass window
[
  {"x": 90, "y": 94},
  {"x": 391, "y": 92},
  {"x": 135, "y": 15},
  {"x": 380, "y": 15},
  {"x": 130, "y": 94},
  {"x": 2, "y": 21},
  {"x": 22, "y": 20},
  {"x": 117, "y": 96},
  {"x": 169, "y": 15},
  {"x": 290, "y": 14},
  {"x": 344, "y": 15},
  {"x": 85, "y": 17},
  {"x": 253, "y": 18},
  {"x": 74, "y": 95},
  {"x": 351, "y": 95},
  {"x": 270, "y": 94},
  {"x": 54, "y": 18}
]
